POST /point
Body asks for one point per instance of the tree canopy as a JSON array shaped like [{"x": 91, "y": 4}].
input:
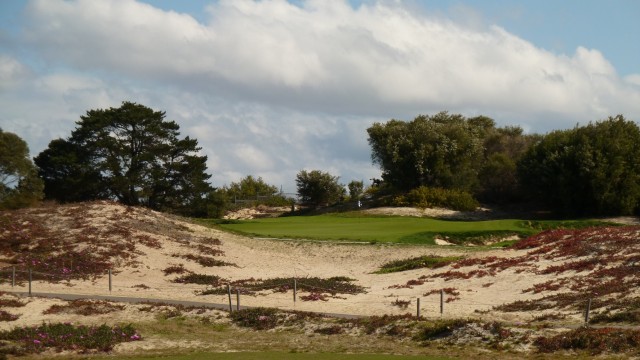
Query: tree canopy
[
  {"x": 131, "y": 154},
  {"x": 250, "y": 188},
  {"x": 443, "y": 151},
  {"x": 590, "y": 170},
  {"x": 319, "y": 188},
  {"x": 20, "y": 185}
]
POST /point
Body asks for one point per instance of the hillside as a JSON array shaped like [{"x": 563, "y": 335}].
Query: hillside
[{"x": 550, "y": 276}]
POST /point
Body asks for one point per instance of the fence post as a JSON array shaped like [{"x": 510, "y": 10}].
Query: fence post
[
  {"x": 295, "y": 289},
  {"x": 109, "y": 280},
  {"x": 13, "y": 277},
  {"x": 586, "y": 313},
  {"x": 441, "y": 301},
  {"x": 30, "y": 278},
  {"x": 418, "y": 308},
  {"x": 229, "y": 291},
  {"x": 238, "y": 299}
]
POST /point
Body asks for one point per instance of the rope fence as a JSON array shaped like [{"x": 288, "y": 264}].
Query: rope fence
[{"x": 234, "y": 292}]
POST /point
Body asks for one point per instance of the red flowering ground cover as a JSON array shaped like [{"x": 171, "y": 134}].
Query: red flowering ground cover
[
  {"x": 78, "y": 243},
  {"x": 599, "y": 263}
]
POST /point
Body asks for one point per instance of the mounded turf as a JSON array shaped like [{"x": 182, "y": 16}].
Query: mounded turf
[
  {"x": 386, "y": 229},
  {"x": 392, "y": 229}
]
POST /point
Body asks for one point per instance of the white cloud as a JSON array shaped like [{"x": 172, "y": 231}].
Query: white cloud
[
  {"x": 12, "y": 72},
  {"x": 269, "y": 88},
  {"x": 633, "y": 79},
  {"x": 326, "y": 56}
]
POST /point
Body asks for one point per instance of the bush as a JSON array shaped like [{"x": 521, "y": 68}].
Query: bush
[
  {"x": 36, "y": 339},
  {"x": 425, "y": 197},
  {"x": 256, "y": 318},
  {"x": 595, "y": 341},
  {"x": 439, "y": 328},
  {"x": 199, "y": 279},
  {"x": 427, "y": 261}
]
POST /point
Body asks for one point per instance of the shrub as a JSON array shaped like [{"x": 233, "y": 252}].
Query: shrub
[
  {"x": 36, "y": 339},
  {"x": 427, "y": 261},
  {"x": 595, "y": 341},
  {"x": 330, "y": 330},
  {"x": 437, "y": 197},
  {"x": 256, "y": 318},
  {"x": 5, "y": 316},
  {"x": 85, "y": 307},
  {"x": 403, "y": 304},
  {"x": 373, "y": 324},
  {"x": 175, "y": 269},
  {"x": 439, "y": 328},
  {"x": 199, "y": 279},
  {"x": 205, "y": 261}
]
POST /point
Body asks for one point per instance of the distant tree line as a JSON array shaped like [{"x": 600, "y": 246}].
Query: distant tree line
[
  {"x": 133, "y": 155},
  {"x": 588, "y": 170}
]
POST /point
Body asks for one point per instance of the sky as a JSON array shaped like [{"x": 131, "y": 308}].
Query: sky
[{"x": 272, "y": 87}]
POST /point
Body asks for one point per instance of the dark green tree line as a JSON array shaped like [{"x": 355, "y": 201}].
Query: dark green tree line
[
  {"x": 450, "y": 151},
  {"x": 443, "y": 150},
  {"x": 589, "y": 170}
]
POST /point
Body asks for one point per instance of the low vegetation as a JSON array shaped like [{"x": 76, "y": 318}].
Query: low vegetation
[
  {"x": 428, "y": 197},
  {"x": 427, "y": 261},
  {"x": 314, "y": 285},
  {"x": 85, "y": 307},
  {"x": 593, "y": 341},
  {"x": 65, "y": 336}
]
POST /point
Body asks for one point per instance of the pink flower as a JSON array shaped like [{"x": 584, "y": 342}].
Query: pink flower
[
  {"x": 135, "y": 337},
  {"x": 37, "y": 342}
]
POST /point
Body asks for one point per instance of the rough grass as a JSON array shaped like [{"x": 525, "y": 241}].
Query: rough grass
[
  {"x": 419, "y": 262},
  {"x": 59, "y": 336},
  {"x": 315, "y": 285}
]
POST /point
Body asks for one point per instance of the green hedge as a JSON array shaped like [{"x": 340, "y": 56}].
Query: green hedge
[{"x": 426, "y": 197}]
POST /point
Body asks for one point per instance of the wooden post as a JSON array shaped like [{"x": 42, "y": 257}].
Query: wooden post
[
  {"x": 586, "y": 313},
  {"x": 30, "y": 278},
  {"x": 109, "y": 280},
  {"x": 441, "y": 301},
  {"x": 229, "y": 291},
  {"x": 13, "y": 277},
  {"x": 295, "y": 289},
  {"x": 418, "y": 308},
  {"x": 238, "y": 299}
]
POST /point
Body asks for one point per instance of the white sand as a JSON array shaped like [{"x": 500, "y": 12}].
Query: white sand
[{"x": 265, "y": 259}]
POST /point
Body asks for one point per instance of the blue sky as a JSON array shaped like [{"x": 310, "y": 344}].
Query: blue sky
[{"x": 273, "y": 87}]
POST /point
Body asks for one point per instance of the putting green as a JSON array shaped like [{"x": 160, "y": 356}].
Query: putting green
[{"x": 387, "y": 229}]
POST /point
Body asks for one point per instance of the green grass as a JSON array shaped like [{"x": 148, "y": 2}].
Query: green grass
[
  {"x": 274, "y": 356},
  {"x": 389, "y": 229},
  {"x": 385, "y": 229},
  {"x": 427, "y": 261}
]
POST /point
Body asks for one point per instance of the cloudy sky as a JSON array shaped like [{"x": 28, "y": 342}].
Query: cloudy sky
[{"x": 271, "y": 87}]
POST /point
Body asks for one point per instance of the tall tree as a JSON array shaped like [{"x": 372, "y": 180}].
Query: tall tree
[
  {"x": 69, "y": 174},
  {"x": 319, "y": 188},
  {"x": 443, "y": 150},
  {"x": 356, "y": 188},
  {"x": 20, "y": 185},
  {"x": 503, "y": 148},
  {"x": 131, "y": 154},
  {"x": 250, "y": 188}
]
